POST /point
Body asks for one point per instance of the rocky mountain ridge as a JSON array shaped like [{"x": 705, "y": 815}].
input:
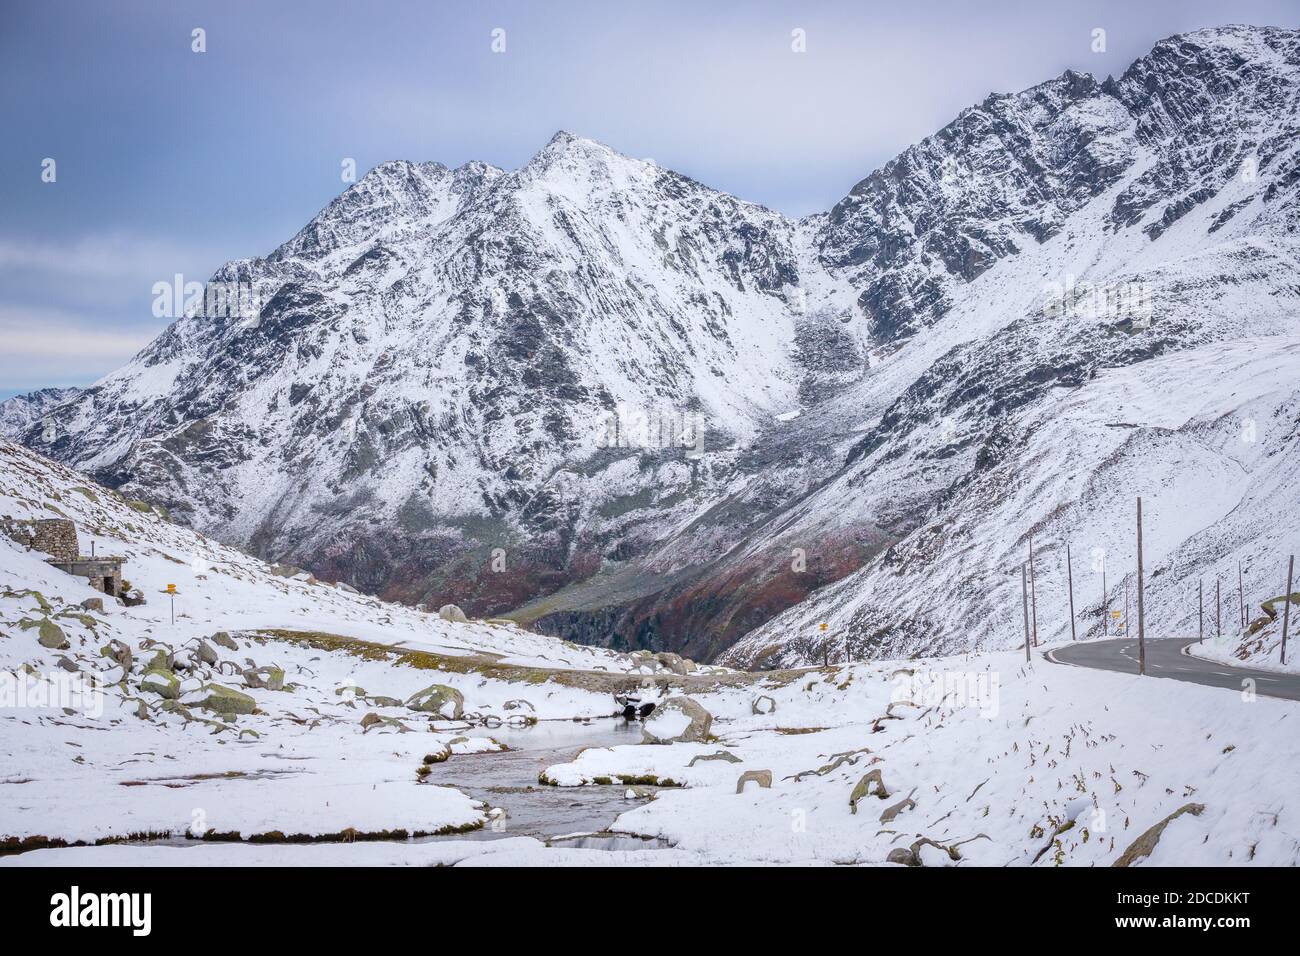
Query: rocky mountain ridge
[{"x": 634, "y": 410}]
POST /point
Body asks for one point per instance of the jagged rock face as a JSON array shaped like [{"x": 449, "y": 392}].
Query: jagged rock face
[
  {"x": 1003, "y": 176},
  {"x": 1212, "y": 105},
  {"x": 1016, "y": 420},
  {"x": 433, "y": 367},
  {"x": 422, "y": 404},
  {"x": 19, "y": 414}
]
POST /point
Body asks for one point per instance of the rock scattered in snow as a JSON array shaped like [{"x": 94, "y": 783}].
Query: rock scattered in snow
[{"x": 677, "y": 720}]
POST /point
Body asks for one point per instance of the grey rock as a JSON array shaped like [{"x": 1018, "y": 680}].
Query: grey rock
[
  {"x": 450, "y": 612},
  {"x": 716, "y": 755},
  {"x": 227, "y": 700},
  {"x": 160, "y": 681},
  {"x": 871, "y": 783},
  {"x": 264, "y": 678},
  {"x": 677, "y": 720},
  {"x": 51, "y": 635},
  {"x": 222, "y": 639},
  {"x": 438, "y": 699}
]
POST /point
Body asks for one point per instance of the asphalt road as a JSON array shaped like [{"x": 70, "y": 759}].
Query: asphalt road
[{"x": 1166, "y": 659}]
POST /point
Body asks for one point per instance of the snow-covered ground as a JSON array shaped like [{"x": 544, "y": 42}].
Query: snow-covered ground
[
  {"x": 981, "y": 760},
  {"x": 994, "y": 754},
  {"x": 1261, "y": 644},
  {"x": 100, "y": 745}
]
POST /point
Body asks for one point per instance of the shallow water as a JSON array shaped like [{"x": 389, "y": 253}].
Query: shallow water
[
  {"x": 509, "y": 780},
  {"x": 576, "y": 817}
]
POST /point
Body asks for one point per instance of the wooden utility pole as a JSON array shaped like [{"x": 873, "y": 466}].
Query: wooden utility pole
[
  {"x": 1286, "y": 608},
  {"x": 1069, "y": 577},
  {"x": 1200, "y": 612},
  {"x": 1105, "y": 599},
  {"x": 1024, "y": 594},
  {"x": 1241, "y": 599},
  {"x": 1142, "y": 645},
  {"x": 1128, "y": 630},
  {"x": 1033, "y": 590},
  {"x": 1218, "y": 610}
]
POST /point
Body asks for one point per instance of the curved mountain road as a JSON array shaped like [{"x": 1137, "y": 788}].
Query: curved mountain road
[{"x": 1165, "y": 658}]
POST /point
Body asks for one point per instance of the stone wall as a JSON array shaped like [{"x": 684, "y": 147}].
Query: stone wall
[{"x": 57, "y": 537}]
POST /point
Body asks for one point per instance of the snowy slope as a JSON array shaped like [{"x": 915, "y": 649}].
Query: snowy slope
[
  {"x": 1002, "y": 763},
  {"x": 1015, "y": 416},
  {"x": 981, "y": 759},
  {"x": 223, "y": 588},
  {"x": 422, "y": 406},
  {"x": 95, "y": 746}
]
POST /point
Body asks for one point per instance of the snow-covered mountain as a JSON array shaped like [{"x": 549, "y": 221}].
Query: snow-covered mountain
[
  {"x": 1149, "y": 346},
  {"x": 641, "y": 411},
  {"x": 20, "y": 413}
]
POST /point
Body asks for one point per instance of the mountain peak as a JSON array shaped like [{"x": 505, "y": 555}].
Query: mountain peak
[
  {"x": 1231, "y": 45},
  {"x": 1232, "y": 34},
  {"x": 568, "y": 148}
]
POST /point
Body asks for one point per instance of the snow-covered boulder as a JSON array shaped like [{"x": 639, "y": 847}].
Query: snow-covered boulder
[
  {"x": 677, "y": 720},
  {"x": 223, "y": 639},
  {"x": 118, "y": 652},
  {"x": 453, "y": 613},
  {"x": 265, "y": 677},
  {"x": 51, "y": 635},
  {"x": 673, "y": 662},
  {"x": 227, "y": 700},
  {"x": 160, "y": 681},
  {"x": 438, "y": 699}
]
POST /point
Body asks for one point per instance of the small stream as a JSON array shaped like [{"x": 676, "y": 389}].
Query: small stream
[{"x": 509, "y": 780}]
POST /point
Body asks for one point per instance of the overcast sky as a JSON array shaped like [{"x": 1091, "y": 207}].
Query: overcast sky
[{"x": 171, "y": 161}]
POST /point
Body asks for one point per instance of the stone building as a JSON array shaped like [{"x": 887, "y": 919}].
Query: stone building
[
  {"x": 104, "y": 574},
  {"x": 57, "y": 537}
]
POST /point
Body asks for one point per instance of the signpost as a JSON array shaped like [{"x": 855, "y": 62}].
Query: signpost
[
  {"x": 171, "y": 592},
  {"x": 823, "y": 627}
]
